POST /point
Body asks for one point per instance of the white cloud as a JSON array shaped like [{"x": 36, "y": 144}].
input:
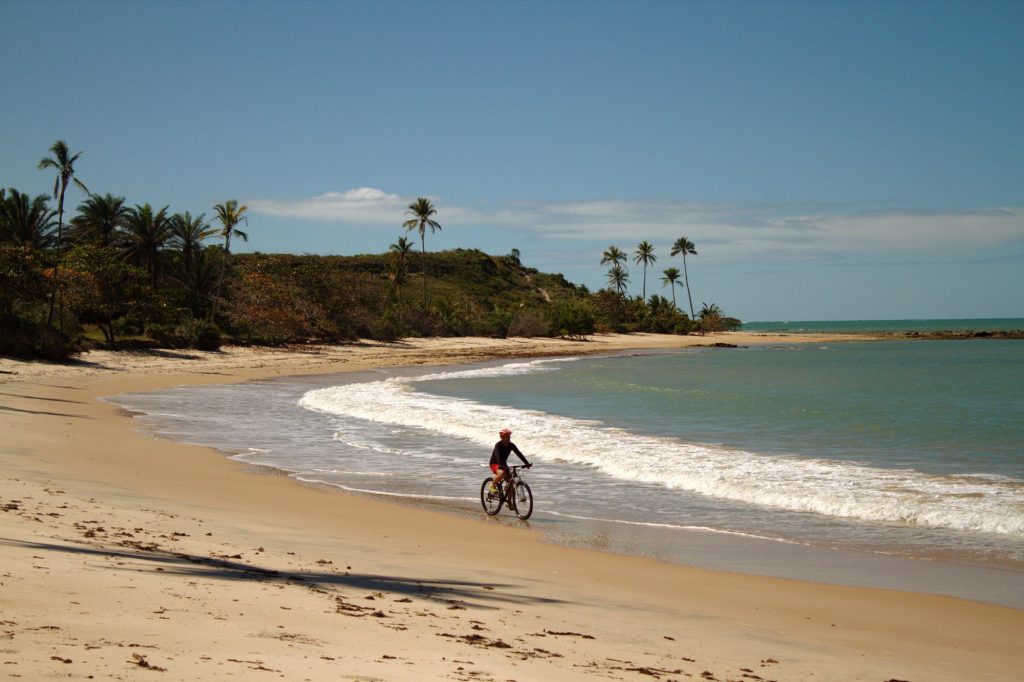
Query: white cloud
[
  {"x": 731, "y": 232},
  {"x": 361, "y": 205},
  {"x": 722, "y": 232}
]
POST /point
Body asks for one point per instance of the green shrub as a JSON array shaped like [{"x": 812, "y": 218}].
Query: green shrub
[
  {"x": 572, "y": 319},
  {"x": 34, "y": 340},
  {"x": 529, "y": 324}
]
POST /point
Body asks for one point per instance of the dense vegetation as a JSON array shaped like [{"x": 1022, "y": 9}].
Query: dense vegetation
[{"x": 120, "y": 275}]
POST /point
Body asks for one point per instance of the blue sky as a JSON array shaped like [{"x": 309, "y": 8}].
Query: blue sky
[{"x": 830, "y": 160}]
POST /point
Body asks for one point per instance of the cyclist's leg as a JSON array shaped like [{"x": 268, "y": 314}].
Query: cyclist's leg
[{"x": 499, "y": 476}]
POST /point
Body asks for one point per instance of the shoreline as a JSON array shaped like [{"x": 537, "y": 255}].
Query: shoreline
[
  {"x": 983, "y": 579},
  {"x": 121, "y": 551}
]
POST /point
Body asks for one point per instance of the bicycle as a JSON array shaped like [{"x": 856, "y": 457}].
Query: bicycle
[{"x": 516, "y": 495}]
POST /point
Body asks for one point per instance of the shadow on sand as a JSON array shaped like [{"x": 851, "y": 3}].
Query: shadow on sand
[{"x": 170, "y": 562}]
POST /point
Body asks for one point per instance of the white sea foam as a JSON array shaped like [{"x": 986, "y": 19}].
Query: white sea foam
[
  {"x": 838, "y": 489},
  {"x": 509, "y": 369},
  {"x": 384, "y": 493},
  {"x": 676, "y": 526}
]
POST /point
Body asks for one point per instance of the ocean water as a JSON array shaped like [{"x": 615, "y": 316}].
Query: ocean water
[
  {"x": 888, "y": 326},
  {"x": 894, "y": 464}
]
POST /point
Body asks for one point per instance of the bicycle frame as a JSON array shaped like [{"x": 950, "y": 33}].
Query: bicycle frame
[{"x": 513, "y": 478}]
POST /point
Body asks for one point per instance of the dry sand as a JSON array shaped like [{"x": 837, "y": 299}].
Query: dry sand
[{"x": 125, "y": 557}]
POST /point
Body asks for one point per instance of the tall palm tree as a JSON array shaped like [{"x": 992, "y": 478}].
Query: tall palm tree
[
  {"x": 422, "y": 211},
  {"x": 147, "y": 233},
  {"x": 618, "y": 278},
  {"x": 671, "y": 278},
  {"x": 645, "y": 255},
  {"x": 64, "y": 163},
  {"x": 100, "y": 219},
  {"x": 613, "y": 255},
  {"x": 685, "y": 246},
  {"x": 230, "y": 214},
  {"x": 400, "y": 251},
  {"x": 25, "y": 220}
]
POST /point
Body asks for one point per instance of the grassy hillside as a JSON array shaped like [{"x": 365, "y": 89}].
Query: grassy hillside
[
  {"x": 467, "y": 292},
  {"x": 491, "y": 280}
]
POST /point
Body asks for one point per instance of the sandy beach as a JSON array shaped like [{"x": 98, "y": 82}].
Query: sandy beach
[{"x": 127, "y": 557}]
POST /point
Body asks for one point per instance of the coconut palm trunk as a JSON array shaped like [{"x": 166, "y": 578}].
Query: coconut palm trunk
[
  {"x": 686, "y": 283},
  {"x": 64, "y": 164},
  {"x": 230, "y": 214},
  {"x": 685, "y": 246},
  {"x": 671, "y": 278}
]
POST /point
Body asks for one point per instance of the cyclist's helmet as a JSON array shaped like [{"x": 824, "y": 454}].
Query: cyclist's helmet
[{"x": 505, "y": 432}]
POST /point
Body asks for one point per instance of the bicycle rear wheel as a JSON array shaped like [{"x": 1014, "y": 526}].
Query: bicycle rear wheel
[
  {"x": 490, "y": 501},
  {"x": 523, "y": 500}
]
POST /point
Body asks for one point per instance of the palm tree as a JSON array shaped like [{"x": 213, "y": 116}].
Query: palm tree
[
  {"x": 200, "y": 279},
  {"x": 147, "y": 233},
  {"x": 685, "y": 246},
  {"x": 422, "y": 210},
  {"x": 64, "y": 163},
  {"x": 618, "y": 277},
  {"x": 400, "y": 251},
  {"x": 187, "y": 236},
  {"x": 644, "y": 254},
  {"x": 230, "y": 214},
  {"x": 613, "y": 255},
  {"x": 26, "y": 221},
  {"x": 671, "y": 278},
  {"x": 100, "y": 219},
  {"x": 710, "y": 317}
]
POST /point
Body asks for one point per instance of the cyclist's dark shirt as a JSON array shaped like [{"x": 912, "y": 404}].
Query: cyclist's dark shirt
[{"x": 501, "y": 452}]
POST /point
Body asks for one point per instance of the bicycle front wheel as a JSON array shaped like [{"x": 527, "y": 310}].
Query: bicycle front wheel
[
  {"x": 491, "y": 501},
  {"x": 524, "y": 501}
]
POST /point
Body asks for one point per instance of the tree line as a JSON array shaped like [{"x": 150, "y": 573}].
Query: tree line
[
  {"x": 711, "y": 318},
  {"x": 119, "y": 274}
]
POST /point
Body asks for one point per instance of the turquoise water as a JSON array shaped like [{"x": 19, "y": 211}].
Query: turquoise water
[
  {"x": 888, "y": 326},
  {"x": 941, "y": 407}
]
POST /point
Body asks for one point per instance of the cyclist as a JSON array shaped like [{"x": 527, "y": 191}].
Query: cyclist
[{"x": 499, "y": 458}]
